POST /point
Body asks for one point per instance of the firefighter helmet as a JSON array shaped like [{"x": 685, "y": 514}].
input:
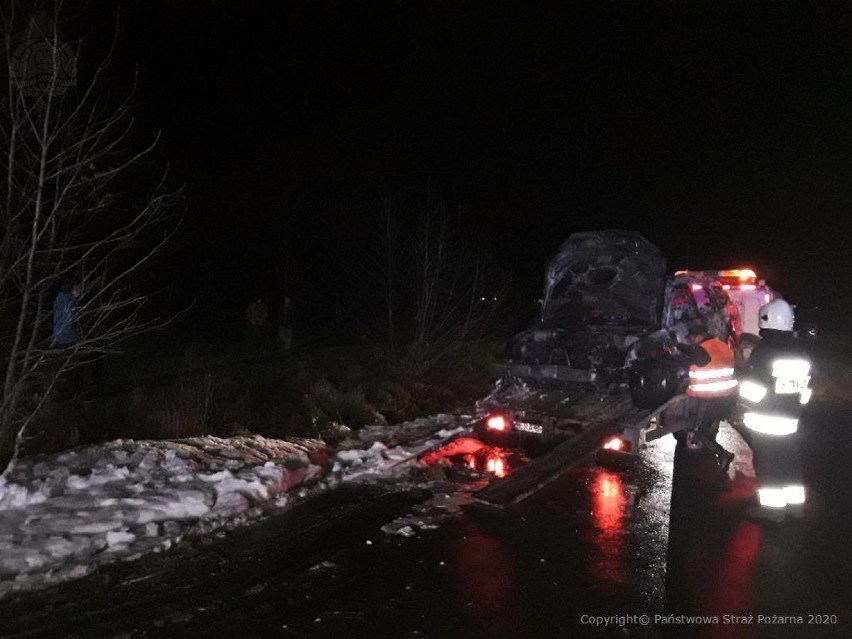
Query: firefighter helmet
[{"x": 777, "y": 315}]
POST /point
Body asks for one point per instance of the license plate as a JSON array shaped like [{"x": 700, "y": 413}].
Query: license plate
[
  {"x": 528, "y": 428},
  {"x": 791, "y": 386}
]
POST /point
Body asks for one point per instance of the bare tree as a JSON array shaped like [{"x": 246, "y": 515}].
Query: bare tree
[
  {"x": 77, "y": 204},
  {"x": 372, "y": 268},
  {"x": 456, "y": 292},
  {"x": 415, "y": 279}
]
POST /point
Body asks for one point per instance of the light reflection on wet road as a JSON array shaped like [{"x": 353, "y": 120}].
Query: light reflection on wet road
[
  {"x": 664, "y": 536},
  {"x": 592, "y": 542}
]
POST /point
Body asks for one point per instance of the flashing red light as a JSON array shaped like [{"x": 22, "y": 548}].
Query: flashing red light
[
  {"x": 496, "y": 422},
  {"x": 616, "y": 443}
]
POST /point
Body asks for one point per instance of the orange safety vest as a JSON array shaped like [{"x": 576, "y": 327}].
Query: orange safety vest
[{"x": 716, "y": 379}]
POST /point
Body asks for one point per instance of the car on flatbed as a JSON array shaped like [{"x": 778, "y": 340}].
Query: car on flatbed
[{"x": 598, "y": 355}]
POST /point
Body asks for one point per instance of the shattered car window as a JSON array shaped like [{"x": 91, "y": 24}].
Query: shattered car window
[{"x": 683, "y": 306}]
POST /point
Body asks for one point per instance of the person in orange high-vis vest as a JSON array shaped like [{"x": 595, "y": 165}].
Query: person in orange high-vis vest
[{"x": 712, "y": 387}]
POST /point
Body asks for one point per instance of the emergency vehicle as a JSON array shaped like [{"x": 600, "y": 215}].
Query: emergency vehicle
[{"x": 749, "y": 293}]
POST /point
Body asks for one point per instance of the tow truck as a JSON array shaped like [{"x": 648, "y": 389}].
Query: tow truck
[
  {"x": 749, "y": 293},
  {"x": 590, "y": 375}
]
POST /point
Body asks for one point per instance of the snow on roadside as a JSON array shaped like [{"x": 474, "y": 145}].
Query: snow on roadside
[
  {"x": 63, "y": 515},
  {"x": 380, "y": 463}
]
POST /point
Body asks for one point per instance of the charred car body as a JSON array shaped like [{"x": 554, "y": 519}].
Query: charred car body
[{"x": 608, "y": 318}]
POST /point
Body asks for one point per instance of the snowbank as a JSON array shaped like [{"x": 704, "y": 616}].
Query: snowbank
[{"x": 63, "y": 515}]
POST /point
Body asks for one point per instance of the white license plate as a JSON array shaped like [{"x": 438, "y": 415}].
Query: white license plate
[
  {"x": 791, "y": 386},
  {"x": 528, "y": 428}
]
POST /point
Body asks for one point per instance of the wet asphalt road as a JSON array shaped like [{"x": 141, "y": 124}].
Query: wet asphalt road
[{"x": 659, "y": 536}]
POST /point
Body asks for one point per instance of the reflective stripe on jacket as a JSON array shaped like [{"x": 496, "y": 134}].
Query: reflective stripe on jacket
[{"x": 715, "y": 379}]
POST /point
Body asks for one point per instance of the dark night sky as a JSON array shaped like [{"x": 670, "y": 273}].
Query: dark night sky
[{"x": 720, "y": 130}]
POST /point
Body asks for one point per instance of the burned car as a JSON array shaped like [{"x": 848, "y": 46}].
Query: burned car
[{"x": 610, "y": 314}]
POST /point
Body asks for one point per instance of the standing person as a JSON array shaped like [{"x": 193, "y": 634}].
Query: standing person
[
  {"x": 64, "y": 317},
  {"x": 257, "y": 326},
  {"x": 773, "y": 394},
  {"x": 257, "y": 313},
  {"x": 285, "y": 326},
  {"x": 712, "y": 388}
]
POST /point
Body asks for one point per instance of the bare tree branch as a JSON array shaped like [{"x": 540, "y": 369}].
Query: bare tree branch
[{"x": 73, "y": 208}]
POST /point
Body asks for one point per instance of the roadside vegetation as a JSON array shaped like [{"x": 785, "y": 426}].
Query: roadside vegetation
[{"x": 191, "y": 389}]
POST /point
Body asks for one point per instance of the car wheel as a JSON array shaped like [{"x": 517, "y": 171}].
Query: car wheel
[{"x": 650, "y": 383}]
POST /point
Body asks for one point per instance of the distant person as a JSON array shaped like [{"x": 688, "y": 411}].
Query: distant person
[
  {"x": 257, "y": 313},
  {"x": 64, "y": 316},
  {"x": 285, "y": 326}
]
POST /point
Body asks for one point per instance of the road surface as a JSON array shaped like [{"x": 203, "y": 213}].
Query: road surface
[{"x": 659, "y": 536}]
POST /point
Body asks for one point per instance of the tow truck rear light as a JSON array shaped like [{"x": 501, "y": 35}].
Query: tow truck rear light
[
  {"x": 617, "y": 444},
  {"x": 497, "y": 422}
]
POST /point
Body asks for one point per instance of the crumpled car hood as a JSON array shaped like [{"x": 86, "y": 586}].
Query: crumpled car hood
[{"x": 601, "y": 273}]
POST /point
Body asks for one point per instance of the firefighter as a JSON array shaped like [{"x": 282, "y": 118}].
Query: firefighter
[
  {"x": 712, "y": 388},
  {"x": 773, "y": 394}
]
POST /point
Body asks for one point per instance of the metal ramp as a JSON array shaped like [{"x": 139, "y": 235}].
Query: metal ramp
[{"x": 612, "y": 416}]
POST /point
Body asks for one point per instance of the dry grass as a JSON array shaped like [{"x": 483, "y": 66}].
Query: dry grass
[{"x": 197, "y": 390}]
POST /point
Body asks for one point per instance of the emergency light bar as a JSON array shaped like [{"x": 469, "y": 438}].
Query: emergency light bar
[{"x": 741, "y": 274}]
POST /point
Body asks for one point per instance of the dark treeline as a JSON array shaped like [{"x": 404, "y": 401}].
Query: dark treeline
[{"x": 713, "y": 131}]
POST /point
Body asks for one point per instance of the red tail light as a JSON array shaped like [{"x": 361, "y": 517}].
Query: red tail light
[
  {"x": 497, "y": 422},
  {"x": 496, "y": 465}
]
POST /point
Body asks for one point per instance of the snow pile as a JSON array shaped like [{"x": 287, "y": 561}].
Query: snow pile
[
  {"x": 408, "y": 433},
  {"x": 392, "y": 447},
  {"x": 399, "y": 464},
  {"x": 61, "y": 515}
]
